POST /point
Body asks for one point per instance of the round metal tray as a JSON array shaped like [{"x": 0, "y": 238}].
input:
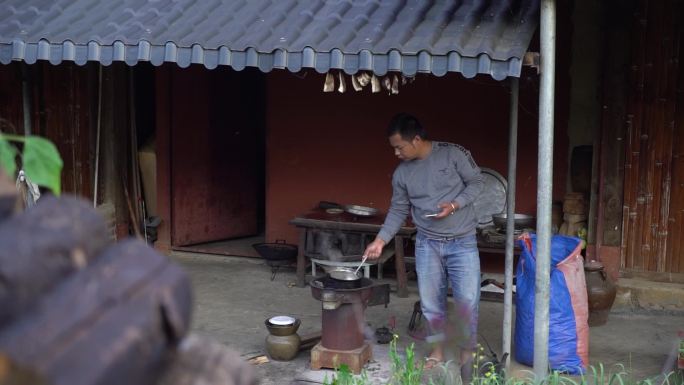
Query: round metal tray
[{"x": 493, "y": 198}]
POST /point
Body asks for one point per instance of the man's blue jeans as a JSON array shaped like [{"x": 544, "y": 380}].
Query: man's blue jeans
[{"x": 455, "y": 261}]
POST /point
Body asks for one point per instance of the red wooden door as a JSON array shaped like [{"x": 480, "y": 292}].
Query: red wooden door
[{"x": 214, "y": 157}]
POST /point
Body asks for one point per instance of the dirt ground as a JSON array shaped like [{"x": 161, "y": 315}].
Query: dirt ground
[{"x": 234, "y": 296}]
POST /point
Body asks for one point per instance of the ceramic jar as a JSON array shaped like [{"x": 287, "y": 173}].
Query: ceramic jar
[
  {"x": 282, "y": 343},
  {"x": 600, "y": 293}
]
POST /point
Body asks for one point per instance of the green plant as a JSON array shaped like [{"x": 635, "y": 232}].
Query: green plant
[
  {"x": 484, "y": 370},
  {"x": 40, "y": 160},
  {"x": 344, "y": 376},
  {"x": 405, "y": 371},
  {"x": 600, "y": 377},
  {"x": 408, "y": 370}
]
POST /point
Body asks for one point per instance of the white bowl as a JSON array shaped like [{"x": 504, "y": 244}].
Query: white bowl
[{"x": 281, "y": 320}]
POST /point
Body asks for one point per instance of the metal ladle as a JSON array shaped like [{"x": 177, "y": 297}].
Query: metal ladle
[{"x": 361, "y": 264}]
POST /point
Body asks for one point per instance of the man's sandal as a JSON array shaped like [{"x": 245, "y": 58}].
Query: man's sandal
[{"x": 430, "y": 362}]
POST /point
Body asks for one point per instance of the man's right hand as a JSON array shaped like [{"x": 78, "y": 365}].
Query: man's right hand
[{"x": 374, "y": 249}]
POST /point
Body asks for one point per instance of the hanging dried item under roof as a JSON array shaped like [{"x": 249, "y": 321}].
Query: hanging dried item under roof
[{"x": 360, "y": 80}]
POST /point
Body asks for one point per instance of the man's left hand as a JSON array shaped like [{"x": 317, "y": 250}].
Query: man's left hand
[{"x": 447, "y": 208}]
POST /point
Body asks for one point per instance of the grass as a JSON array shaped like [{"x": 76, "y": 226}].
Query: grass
[{"x": 407, "y": 370}]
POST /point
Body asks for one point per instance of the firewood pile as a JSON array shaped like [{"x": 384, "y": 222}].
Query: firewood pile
[{"x": 77, "y": 308}]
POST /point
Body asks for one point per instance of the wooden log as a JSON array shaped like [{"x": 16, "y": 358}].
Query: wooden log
[
  {"x": 41, "y": 247},
  {"x": 202, "y": 361},
  {"x": 113, "y": 321},
  {"x": 307, "y": 341}
]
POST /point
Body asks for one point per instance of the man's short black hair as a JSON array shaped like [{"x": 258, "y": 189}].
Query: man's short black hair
[{"x": 407, "y": 126}]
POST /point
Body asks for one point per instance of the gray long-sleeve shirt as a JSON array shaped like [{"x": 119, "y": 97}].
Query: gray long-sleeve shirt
[{"x": 447, "y": 174}]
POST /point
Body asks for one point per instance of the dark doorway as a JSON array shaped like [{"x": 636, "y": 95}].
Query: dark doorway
[{"x": 217, "y": 126}]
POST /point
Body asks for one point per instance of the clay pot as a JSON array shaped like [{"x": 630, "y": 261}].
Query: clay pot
[
  {"x": 282, "y": 343},
  {"x": 600, "y": 293}
]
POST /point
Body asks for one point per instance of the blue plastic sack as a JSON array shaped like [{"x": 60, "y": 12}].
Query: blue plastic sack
[{"x": 563, "y": 338}]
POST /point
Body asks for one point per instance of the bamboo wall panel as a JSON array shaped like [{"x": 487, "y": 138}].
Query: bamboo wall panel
[
  {"x": 61, "y": 103},
  {"x": 653, "y": 177},
  {"x": 674, "y": 253}
]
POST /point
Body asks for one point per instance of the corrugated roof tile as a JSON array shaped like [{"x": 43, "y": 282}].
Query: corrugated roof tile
[{"x": 439, "y": 36}]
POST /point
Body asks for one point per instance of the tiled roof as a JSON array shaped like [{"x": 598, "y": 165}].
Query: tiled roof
[{"x": 410, "y": 36}]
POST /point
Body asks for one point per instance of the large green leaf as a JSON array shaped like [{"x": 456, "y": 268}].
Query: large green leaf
[
  {"x": 8, "y": 156},
  {"x": 42, "y": 163}
]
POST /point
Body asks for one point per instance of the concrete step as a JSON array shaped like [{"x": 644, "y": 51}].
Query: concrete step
[{"x": 639, "y": 295}]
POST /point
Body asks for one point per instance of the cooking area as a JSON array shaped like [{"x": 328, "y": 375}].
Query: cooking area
[{"x": 334, "y": 234}]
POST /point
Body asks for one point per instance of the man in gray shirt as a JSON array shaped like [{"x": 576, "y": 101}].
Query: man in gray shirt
[{"x": 437, "y": 182}]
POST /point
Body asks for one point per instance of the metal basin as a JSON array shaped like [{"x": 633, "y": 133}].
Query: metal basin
[{"x": 521, "y": 221}]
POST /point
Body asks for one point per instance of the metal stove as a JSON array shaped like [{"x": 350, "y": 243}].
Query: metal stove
[{"x": 343, "y": 322}]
